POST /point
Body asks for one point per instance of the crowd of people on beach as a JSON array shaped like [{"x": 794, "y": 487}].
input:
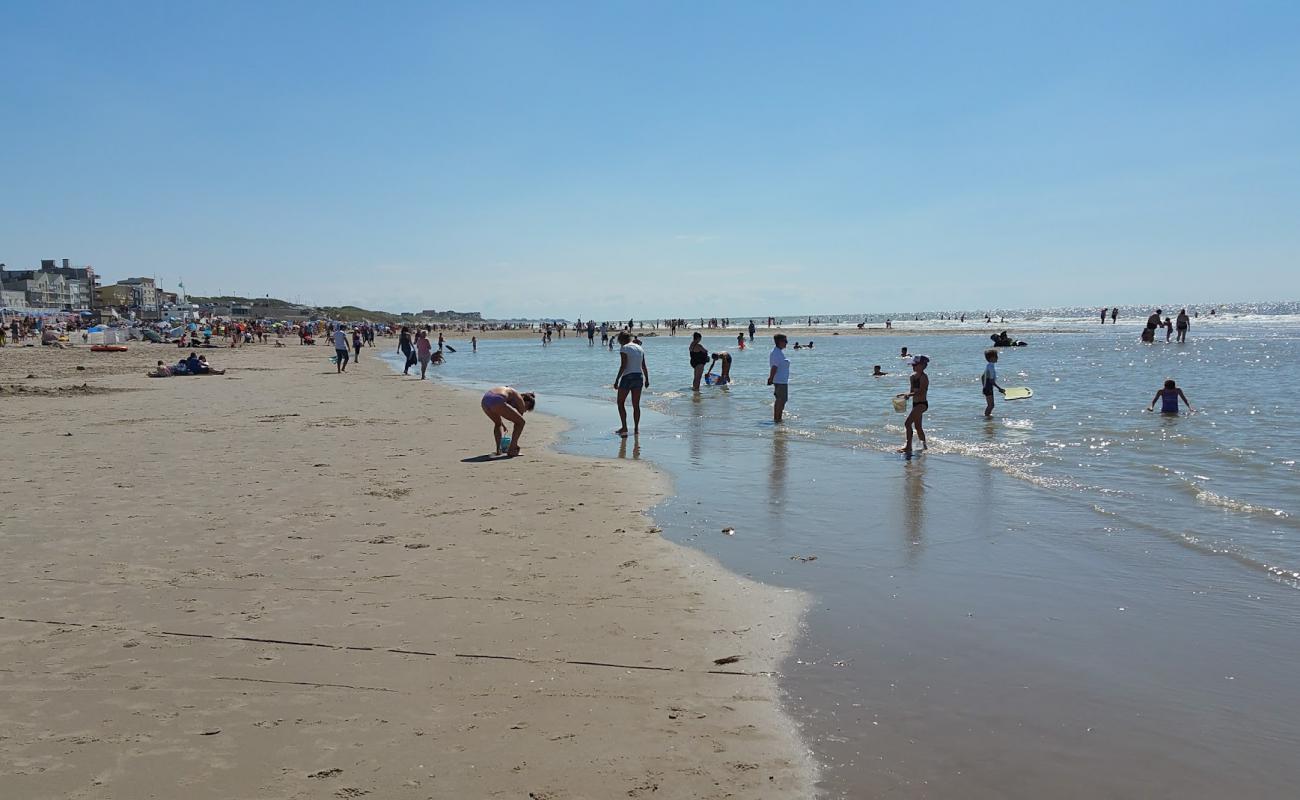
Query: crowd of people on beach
[
  {"x": 505, "y": 405},
  {"x": 633, "y": 375}
]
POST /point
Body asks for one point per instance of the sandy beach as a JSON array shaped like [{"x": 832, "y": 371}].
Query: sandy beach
[{"x": 286, "y": 583}]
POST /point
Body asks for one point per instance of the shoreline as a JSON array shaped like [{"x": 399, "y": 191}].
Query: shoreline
[
  {"x": 287, "y": 650},
  {"x": 1017, "y": 586}
]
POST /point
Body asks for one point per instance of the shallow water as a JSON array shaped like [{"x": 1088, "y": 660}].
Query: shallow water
[{"x": 1077, "y": 598}]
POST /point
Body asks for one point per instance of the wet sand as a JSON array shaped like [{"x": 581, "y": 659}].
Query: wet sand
[{"x": 288, "y": 583}]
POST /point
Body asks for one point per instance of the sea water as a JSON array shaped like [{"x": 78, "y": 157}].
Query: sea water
[{"x": 1076, "y": 592}]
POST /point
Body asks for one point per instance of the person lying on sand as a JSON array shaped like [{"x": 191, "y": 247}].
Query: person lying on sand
[{"x": 504, "y": 404}]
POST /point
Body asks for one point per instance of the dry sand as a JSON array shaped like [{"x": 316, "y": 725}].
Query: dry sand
[{"x": 286, "y": 583}]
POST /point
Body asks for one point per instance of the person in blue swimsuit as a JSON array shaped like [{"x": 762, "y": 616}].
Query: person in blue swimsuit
[{"x": 1168, "y": 397}]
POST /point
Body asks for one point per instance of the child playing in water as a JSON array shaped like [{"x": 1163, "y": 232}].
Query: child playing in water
[
  {"x": 1168, "y": 397},
  {"x": 990, "y": 380}
]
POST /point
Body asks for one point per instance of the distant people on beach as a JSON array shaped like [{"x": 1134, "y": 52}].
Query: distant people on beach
[
  {"x": 778, "y": 376},
  {"x": 504, "y": 404},
  {"x": 752, "y": 328},
  {"x": 1103, "y": 315},
  {"x": 1182, "y": 324},
  {"x": 633, "y": 376},
  {"x": 1169, "y": 396},
  {"x": 990, "y": 380},
  {"x": 919, "y": 384},
  {"x": 341, "y": 349},
  {"x": 1114, "y": 314},
  {"x": 1169, "y": 328},
  {"x": 699, "y": 356},
  {"x": 591, "y": 333},
  {"x": 356, "y": 344}
]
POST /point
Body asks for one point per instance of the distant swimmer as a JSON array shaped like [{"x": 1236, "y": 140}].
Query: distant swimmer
[
  {"x": 903, "y": 353},
  {"x": 1182, "y": 324},
  {"x": 876, "y": 373},
  {"x": 990, "y": 380},
  {"x": 1169, "y": 397},
  {"x": 699, "y": 357},
  {"x": 919, "y": 384},
  {"x": 503, "y": 404},
  {"x": 724, "y": 377}
]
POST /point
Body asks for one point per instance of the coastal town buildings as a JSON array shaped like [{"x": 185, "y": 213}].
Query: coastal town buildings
[{"x": 63, "y": 288}]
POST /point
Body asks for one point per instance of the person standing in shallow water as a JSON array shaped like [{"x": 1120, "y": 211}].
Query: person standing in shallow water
[
  {"x": 920, "y": 387},
  {"x": 699, "y": 357},
  {"x": 1169, "y": 397},
  {"x": 423, "y": 352},
  {"x": 778, "y": 376},
  {"x": 633, "y": 376},
  {"x": 407, "y": 348},
  {"x": 990, "y": 380},
  {"x": 1182, "y": 324}
]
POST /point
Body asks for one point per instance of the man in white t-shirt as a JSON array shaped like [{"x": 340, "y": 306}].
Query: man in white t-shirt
[
  {"x": 779, "y": 376},
  {"x": 633, "y": 376},
  {"x": 341, "y": 348}
]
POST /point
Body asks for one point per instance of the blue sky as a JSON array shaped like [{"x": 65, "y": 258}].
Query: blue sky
[{"x": 651, "y": 159}]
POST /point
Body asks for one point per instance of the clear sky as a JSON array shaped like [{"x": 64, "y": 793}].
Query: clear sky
[{"x": 613, "y": 159}]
